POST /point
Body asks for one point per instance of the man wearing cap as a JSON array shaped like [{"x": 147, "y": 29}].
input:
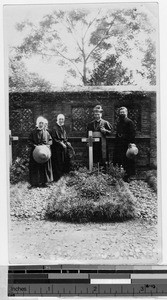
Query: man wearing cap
[
  {"x": 60, "y": 149},
  {"x": 40, "y": 168},
  {"x": 102, "y": 126},
  {"x": 125, "y": 135}
]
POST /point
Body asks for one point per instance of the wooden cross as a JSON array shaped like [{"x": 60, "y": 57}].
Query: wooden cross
[
  {"x": 11, "y": 139},
  {"x": 90, "y": 140}
]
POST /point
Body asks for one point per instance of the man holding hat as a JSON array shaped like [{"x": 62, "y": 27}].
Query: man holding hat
[
  {"x": 125, "y": 138},
  {"x": 40, "y": 168},
  {"x": 102, "y": 126}
]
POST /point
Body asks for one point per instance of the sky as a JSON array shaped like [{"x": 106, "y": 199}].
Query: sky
[{"x": 50, "y": 70}]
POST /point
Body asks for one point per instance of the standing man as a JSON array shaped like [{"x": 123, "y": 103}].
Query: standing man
[
  {"x": 60, "y": 149},
  {"x": 125, "y": 134},
  {"x": 102, "y": 126}
]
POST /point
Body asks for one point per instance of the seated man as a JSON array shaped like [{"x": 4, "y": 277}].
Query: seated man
[
  {"x": 102, "y": 126},
  {"x": 60, "y": 149},
  {"x": 125, "y": 135}
]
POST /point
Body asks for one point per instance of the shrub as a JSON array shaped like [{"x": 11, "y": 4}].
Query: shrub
[
  {"x": 115, "y": 172},
  {"x": 151, "y": 178},
  {"x": 91, "y": 198},
  {"x": 19, "y": 168}
]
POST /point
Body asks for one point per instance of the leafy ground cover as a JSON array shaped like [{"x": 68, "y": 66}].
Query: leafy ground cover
[
  {"x": 33, "y": 238},
  {"x": 79, "y": 197}
]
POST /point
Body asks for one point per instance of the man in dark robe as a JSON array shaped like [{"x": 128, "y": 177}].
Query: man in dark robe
[
  {"x": 39, "y": 174},
  {"x": 60, "y": 149},
  {"x": 125, "y": 135},
  {"x": 102, "y": 126}
]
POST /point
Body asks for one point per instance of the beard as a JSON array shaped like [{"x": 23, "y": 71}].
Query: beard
[{"x": 122, "y": 117}]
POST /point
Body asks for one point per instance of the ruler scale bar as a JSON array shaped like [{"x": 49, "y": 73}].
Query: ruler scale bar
[
  {"x": 86, "y": 289},
  {"x": 83, "y": 280}
]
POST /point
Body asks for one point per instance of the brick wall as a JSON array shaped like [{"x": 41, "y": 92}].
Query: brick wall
[{"x": 77, "y": 106}]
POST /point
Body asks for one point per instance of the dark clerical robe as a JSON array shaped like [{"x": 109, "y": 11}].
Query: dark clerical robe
[
  {"x": 60, "y": 154},
  {"x": 96, "y": 126},
  {"x": 39, "y": 173},
  {"x": 125, "y": 134}
]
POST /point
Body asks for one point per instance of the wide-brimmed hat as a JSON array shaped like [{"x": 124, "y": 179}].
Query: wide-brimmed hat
[
  {"x": 41, "y": 154},
  {"x": 132, "y": 151},
  {"x": 98, "y": 108}
]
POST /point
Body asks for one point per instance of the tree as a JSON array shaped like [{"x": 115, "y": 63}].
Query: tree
[
  {"x": 149, "y": 63},
  {"x": 79, "y": 39},
  {"x": 20, "y": 80},
  {"x": 110, "y": 72}
]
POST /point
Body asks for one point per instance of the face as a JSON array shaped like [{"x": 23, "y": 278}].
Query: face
[
  {"x": 46, "y": 125},
  {"x": 123, "y": 113},
  {"x": 41, "y": 125},
  {"x": 97, "y": 116},
  {"x": 61, "y": 121}
]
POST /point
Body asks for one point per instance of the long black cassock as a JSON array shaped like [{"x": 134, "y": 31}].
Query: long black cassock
[
  {"x": 39, "y": 173},
  {"x": 97, "y": 147},
  {"x": 60, "y": 157},
  {"x": 125, "y": 134}
]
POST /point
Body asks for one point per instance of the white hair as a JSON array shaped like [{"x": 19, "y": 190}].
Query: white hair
[
  {"x": 123, "y": 108},
  {"x": 45, "y": 121},
  {"x": 40, "y": 119},
  {"x": 60, "y": 116}
]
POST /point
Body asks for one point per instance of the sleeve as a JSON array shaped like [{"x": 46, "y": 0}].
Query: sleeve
[
  {"x": 54, "y": 136},
  {"x": 108, "y": 128},
  {"x": 49, "y": 139},
  {"x": 31, "y": 142},
  {"x": 131, "y": 135}
]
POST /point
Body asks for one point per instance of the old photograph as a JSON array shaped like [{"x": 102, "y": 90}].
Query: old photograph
[{"x": 82, "y": 86}]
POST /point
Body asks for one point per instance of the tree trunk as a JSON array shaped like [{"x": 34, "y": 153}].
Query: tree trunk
[{"x": 84, "y": 78}]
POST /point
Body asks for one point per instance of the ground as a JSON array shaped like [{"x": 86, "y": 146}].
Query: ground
[{"x": 35, "y": 240}]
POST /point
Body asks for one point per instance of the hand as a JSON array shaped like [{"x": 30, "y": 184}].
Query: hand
[
  {"x": 63, "y": 145},
  {"x": 103, "y": 130}
]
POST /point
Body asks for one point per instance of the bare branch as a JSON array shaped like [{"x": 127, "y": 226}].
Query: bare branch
[{"x": 90, "y": 24}]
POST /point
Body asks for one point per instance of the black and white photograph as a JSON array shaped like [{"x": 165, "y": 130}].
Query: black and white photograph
[{"x": 82, "y": 88}]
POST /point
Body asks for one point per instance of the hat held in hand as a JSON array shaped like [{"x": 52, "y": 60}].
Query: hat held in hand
[
  {"x": 41, "y": 154},
  {"x": 132, "y": 151}
]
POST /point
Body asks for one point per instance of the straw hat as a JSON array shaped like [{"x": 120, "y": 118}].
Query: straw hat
[
  {"x": 41, "y": 154},
  {"x": 132, "y": 151}
]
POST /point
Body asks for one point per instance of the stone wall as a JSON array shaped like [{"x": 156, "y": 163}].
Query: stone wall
[{"x": 77, "y": 107}]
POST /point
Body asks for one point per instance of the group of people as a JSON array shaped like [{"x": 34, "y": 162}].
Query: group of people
[
  {"x": 58, "y": 163},
  {"x": 56, "y": 140},
  {"x": 125, "y": 137}
]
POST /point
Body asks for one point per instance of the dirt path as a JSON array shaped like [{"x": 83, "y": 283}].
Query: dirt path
[{"x": 42, "y": 241}]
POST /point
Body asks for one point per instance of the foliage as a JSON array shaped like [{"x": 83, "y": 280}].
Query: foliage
[
  {"x": 110, "y": 72},
  {"x": 151, "y": 178},
  {"x": 19, "y": 168},
  {"x": 20, "y": 80},
  {"x": 86, "y": 197},
  {"x": 78, "y": 39},
  {"x": 149, "y": 62}
]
